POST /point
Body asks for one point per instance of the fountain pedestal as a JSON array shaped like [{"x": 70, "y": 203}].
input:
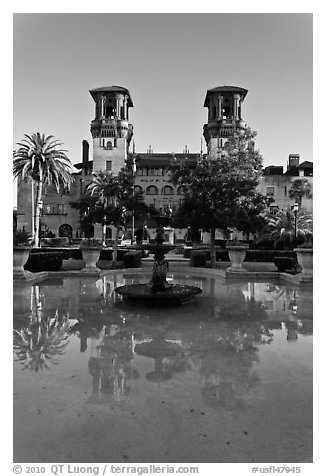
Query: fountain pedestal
[
  {"x": 158, "y": 289},
  {"x": 159, "y": 249}
]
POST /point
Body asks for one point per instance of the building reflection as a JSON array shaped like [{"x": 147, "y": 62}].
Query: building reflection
[
  {"x": 217, "y": 338},
  {"x": 110, "y": 365}
]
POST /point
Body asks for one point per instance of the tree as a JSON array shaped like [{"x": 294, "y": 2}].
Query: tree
[
  {"x": 300, "y": 188},
  {"x": 281, "y": 228},
  {"x": 249, "y": 216},
  {"x": 108, "y": 198},
  {"x": 41, "y": 159},
  {"x": 221, "y": 191}
]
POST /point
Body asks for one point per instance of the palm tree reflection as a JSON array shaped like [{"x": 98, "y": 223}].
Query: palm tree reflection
[{"x": 41, "y": 341}]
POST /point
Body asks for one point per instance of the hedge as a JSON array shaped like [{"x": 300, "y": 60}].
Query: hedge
[
  {"x": 66, "y": 253},
  {"x": 287, "y": 265},
  {"x": 43, "y": 261},
  {"x": 268, "y": 255},
  {"x": 251, "y": 255},
  {"x": 106, "y": 255},
  {"x": 75, "y": 253},
  {"x": 198, "y": 258},
  {"x": 132, "y": 259}
]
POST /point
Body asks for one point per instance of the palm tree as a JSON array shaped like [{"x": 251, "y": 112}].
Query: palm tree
[
  {"x": 110, "y": 197},
  {"x": 280, "y": 227},
  {"x": 42, "y": 160},
  {"x": 300, "y": 188},
  {"x": 114, "y": 196},
  {"x": 103, "y": 188}
]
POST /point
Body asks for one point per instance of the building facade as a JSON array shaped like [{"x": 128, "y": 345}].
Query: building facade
[{"x": 112, "y": 133}]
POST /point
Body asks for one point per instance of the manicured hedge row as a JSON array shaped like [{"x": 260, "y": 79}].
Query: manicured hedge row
[
  {"x": 76, "y": 253},
  {"x": 132, "y": 259},
  {"x": 106, "y": 255},
  {"x": 251, "y": 255},
  {"x": 42, "y": 261},
  {"x": 201, "y": 255},
  {"x": 67, "y": 253},
  {"x": 268, "y": 255},
  {"x": 198, "y": 258}
]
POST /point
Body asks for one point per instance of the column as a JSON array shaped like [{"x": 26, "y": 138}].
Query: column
[
  {"x": 125, "y": 109},
  {"x": 236, "y": 101},
  {"x": 117, "y": 104},
  {"x": 219, "y": 107},
  {"x": 102, "y": 106}
]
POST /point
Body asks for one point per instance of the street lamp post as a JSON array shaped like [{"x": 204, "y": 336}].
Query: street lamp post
[
  {"x": 295, "y": 212},
  {"x": 133, "y": 195},
  {"x": 80, "y": 212},
  {"x": 104, "y": 231}
]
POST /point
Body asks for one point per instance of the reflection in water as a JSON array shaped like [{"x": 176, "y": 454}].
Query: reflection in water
[
  {"x": 40, "y": 339},
  {"x": 217, "y": 338},
  {"x": 169, "y": 358},
  {"x": 111, "y": 365},
  {"x": 87, "y": 328}
]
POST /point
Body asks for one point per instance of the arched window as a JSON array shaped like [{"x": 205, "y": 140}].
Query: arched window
[
  {"x": 138, "y": 189},
  {"x": 65, "y": 230},
  {"x": 168, "y": 190},
  {"x": 152, "y": 190},
  {"x": 181, "y": 190}
]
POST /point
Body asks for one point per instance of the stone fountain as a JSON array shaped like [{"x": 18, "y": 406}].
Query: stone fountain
[{"x": 159, "y": 290}]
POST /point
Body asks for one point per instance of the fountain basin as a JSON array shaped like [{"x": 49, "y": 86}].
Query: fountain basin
[
  {"x": 158, "y": 248},
  {"x": 172, "y": 293}
]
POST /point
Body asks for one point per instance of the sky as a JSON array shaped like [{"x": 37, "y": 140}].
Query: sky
[{"x": 167, "y": 61}]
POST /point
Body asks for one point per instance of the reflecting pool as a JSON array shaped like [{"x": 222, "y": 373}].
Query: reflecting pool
[{"x": 224, "y": 379}]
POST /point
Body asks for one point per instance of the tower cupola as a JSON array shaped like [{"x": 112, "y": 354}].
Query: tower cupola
[
  {"x": 224, "y": 115},
  {"x": 111, "y": 129}
]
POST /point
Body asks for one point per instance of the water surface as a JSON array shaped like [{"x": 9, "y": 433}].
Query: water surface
[{"x": 226, "y": 378}]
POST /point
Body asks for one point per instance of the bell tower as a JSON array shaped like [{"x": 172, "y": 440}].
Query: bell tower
[
  {"x": 111, "y": 129},
  {"x": 224, "y": 116}
]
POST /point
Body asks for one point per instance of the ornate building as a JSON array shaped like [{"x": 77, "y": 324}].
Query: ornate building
[{"x": 112, "y": 133}]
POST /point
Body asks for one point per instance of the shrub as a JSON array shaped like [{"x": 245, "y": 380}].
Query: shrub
[
  {"x": 198, "y": 258},
  {"x": 221, "y": 243},
  {"x": 90, "y": 242},
  {"x": 21, "y": 238},
  {"x": 106, "y": 255},
  {"x": 43, "y": 261},
  {"x": 132, "y": 259},
  {"x": 186, "y": 252},
  {"x": 267, "y": 255},
  {"x": 121, "y": 252},
  {"x": 222, "y": 255},
  {"x": 237, "y": 242},
  {"x": 287, "y": 265},
  {"x": 263, "y": 244},
  {"x": 71, "y": 253},
  {"x": 306, "y": 244}
]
